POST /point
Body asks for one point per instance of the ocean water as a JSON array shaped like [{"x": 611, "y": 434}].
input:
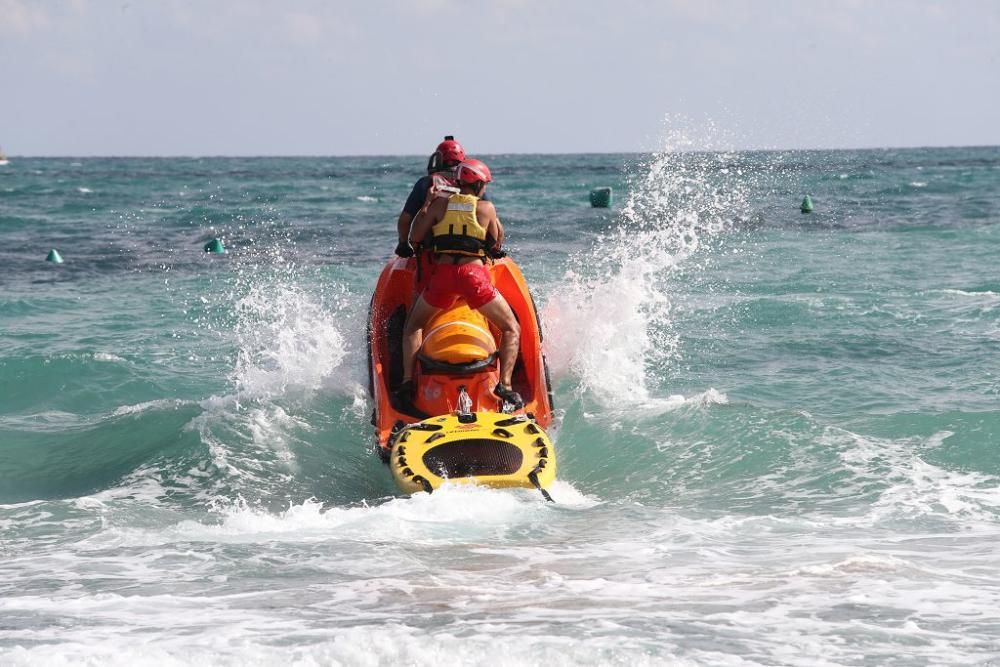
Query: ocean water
[{"x": 777, "y": 432}]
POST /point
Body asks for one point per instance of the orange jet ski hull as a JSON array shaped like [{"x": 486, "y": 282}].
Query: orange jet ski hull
[{"x": 458, "y": 354}]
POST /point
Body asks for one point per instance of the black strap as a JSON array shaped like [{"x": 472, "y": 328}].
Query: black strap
[
  {"x": 458, "y": 242},
  {"x": 533, "y": 478},
  {"x": 424, "y": 483}
]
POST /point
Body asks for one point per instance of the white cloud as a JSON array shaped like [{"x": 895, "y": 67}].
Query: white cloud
[
  {"x": 22, "y": 18},
  {"x": 304, "y": 27}
]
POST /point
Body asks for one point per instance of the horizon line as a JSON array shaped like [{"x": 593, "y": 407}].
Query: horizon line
[{"x": 487, "y": 153}]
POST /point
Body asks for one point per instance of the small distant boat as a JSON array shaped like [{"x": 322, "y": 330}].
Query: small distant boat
[{"x": 3, "y": 158}]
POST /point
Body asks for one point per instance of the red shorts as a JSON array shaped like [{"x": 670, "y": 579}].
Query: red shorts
[{"x": 470, "y": 281}]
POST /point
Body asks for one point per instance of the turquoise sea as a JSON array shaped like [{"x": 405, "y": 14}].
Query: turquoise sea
[{"x": 777, "y": 432}]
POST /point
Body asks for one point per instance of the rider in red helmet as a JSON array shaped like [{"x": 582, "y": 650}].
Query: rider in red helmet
[
  {"x": 460, "y": 231},
  {"x": 448, "y": 152},
  {"x": 440, "y": 180}
]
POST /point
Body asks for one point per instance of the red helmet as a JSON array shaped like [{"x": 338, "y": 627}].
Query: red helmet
[
  {"x": 450, "y": 151},
  {"x": 473, "y": 171}
]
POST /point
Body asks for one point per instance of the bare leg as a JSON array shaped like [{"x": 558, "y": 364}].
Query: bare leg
[
  {"x": 413, "y": 333},
  {"x": 499, "y": 313}
]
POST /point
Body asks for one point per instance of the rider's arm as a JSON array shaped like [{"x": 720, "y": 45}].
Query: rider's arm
[
  {"x": 416, "y": 200},
  {"x": 425, "y": 221},
  {"x": 498, "y": 235},
  {"x": 493, "y": 227},
  {"x": 403, "y": 226}
]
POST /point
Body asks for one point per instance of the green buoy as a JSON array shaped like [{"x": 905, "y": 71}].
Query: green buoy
[
  {"x": 807, "y": 204},
  {"x": 215, "y": 246},
  {"x": 54, "y": 257},
  {"x": 600, "y": 197}
]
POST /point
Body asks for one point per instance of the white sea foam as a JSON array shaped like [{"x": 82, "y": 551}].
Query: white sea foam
[
  {"x": 657, "y": 405},
  {"x": 251, "y": 442},
  {"x": 158, "y": 404},
  {"x": 481, "y": 576},
  {"x": 709, "y": 397},
  {"x": 369, "y": 645},
  {"x": 986, "y": 297},
  {"x": 84, "y": 191},
  {"x": 47, "y": 421},
  {"x": 455, "y": 511},
  {"x": 912, "y": 488},
  {"x": 967, "y": 293},
  {"x": 366, "y": 198},
  {"x": 856, "y": 565},
  {"x": 16, "y": 506},
  {"x": 143, "y": 485}
]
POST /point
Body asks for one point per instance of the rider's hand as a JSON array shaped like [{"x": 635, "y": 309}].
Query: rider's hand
[
  {"x": 404, "y": 249},
  {"x": 496, "y": 253}
]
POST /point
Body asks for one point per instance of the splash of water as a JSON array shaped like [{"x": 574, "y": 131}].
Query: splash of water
[
  {"x": 289, "y": 340},
  {"x": 294, "y": 332},
  {"x": 611, "y": 321}
]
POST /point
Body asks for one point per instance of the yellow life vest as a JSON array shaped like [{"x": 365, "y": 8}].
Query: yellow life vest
[{"x": 459, "y": 231}]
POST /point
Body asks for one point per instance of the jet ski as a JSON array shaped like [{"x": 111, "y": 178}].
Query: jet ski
[{"x": 454, "y": 428}]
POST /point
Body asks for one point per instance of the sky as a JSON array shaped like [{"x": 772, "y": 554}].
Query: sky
[{"x": 391, "y": 77}]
